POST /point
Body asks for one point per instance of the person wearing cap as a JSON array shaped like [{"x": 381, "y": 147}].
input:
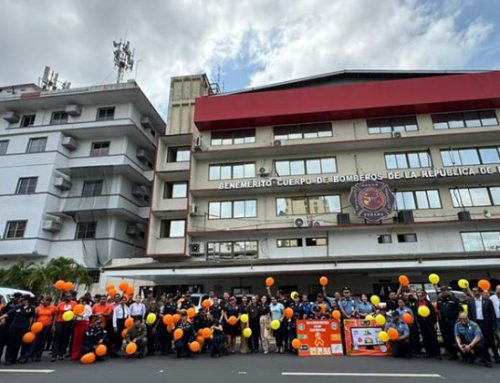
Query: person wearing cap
[
  {"x": 400, "y": 346},
  {"x": 348, "y": 305},
  {"x": 449, "y": 308},
  {"x": 137, "y": 334},
  {"x": 22, "y": 318},
  {"x": 470, "y": 340},
  {"x": 94, "y": 335},
  {"x": 188, "y": 335},
  {"x": 61, "y": 328},
  {"x": 45, "y": 314}
]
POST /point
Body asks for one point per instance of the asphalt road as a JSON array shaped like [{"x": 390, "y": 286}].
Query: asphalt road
[{"x": 253, "y": 368}]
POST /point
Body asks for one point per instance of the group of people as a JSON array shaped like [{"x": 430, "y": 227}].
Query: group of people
[{"x": 173, "y": 324}]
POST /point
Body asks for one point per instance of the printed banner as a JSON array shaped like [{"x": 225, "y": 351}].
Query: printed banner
[
  {"x": 361, "y": 338},
  {"x": 319, "y": 337}
]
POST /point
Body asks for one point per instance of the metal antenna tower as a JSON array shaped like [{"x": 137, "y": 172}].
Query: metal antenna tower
[
  {"x": 123, "y": 58},
  {"x": 50, "y": 80}
]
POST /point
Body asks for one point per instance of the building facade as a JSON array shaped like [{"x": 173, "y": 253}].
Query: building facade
[
  {"x": 258, "y": 183},
  {"x": 76, "y": 170}
]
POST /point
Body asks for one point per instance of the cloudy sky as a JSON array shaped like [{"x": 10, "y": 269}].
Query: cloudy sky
[{"x": 254, "y": 42}]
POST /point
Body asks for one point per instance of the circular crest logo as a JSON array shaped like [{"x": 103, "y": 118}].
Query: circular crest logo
[{"x": 371, "y": 200}]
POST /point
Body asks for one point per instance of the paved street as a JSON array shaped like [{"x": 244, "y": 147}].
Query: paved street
[{"x": 254, "y": 368}]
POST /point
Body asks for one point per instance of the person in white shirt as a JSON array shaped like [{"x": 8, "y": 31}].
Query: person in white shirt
[
  {"x": 120, "y": 313},
  {"x": 137, "y": 309},
  {"x": 82, "y": 322}
]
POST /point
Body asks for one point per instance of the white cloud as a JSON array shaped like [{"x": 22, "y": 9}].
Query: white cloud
[{"x": 285, "y": 39}]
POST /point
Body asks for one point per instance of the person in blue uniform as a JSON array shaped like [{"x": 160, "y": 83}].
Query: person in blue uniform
[
  {"x": 22, "y": 317},
  {"x": 401, "y": 346},
  {"x": 306, "y": 306},
  {"x": 403, "y": 308},
  {"x": 365, "y": 307},
  {"x": 449, "y": 308},
  {"x": 469, "y": 339},
  {"x": 5, "y": 320},
  {"x": 347, "y": 304}
]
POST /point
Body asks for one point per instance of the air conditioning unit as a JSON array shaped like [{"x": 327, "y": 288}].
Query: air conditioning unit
[
  {"x": 464, "y": 215},
  {"x": 62, "y": 183},
  {"x": 343, "y": 219},
  {"x": 197, "y": 249},
  {"x": 73, "y": 110},
  {"x": 133, "y": 230},
  {"x": 197, "y": 144},
  {"x": 52, "y": 225},
  {"x": 11, "y": 117},
  {"x": 140, "y": 191},
  {"x": 69, "y": 143},
  {"x": 143, "y": 155},
  {"x": 300, "y": 222},
  {"x": 193, "y": 209},
  {"x": 277, "y": 143},
  {"x": 146, "y": 123},
  {"x": 263, "y": 172},
  {"x": 396, "y": 134},
  {"x": 405, "y": 216}
]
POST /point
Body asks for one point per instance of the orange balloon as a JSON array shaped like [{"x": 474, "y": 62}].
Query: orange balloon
[
  {"x": 123, "y": 286},
  {"x": 206, "y": 303},
  {"x": 170, "y": 327},
  {"x": 59, "y": 285},
  {"x": 177, "y": 318},
  {"x": 168, "y": 319},
  {"x": 29, "y": 337},
  {"x": 112, "y": 292},
  {"x": 296, "y": 343},
  {"x": 101, "y": 350},
  {"x": 269, "y": 281},
  {"x": 130, "y": 290},
  {"x": 336, "y": 314},
  {"x": 322, "y": 308},
  {"x": 110, "y": 286},
  {"x": 232, "y": 320},
  {"x": 484, "y": 285},
  {"x": 323, "y": 281},
  {"x": 178, "y": 333},
  {"x": 79, "y": 309},
  {"x": 407, "y": 318},
  {"x": 194, "y": 346},
  {"x": 131, "y": 348},
  {"x": 200, "y": 340},
  {"x": 68, "y": 286},
  {"x": 288, "y": 312},
  {"x": 191, "y": 312},
  {"x": 36, "y": 327},
  {"x": 206, "y": 333},
  {"x": 129, "y": 322},
  {"x": 88, "y": 358},
  {"x": 404, "y": 280},
  {"x": 124, "y": 333},
  {"x": 393, "y": 333}
]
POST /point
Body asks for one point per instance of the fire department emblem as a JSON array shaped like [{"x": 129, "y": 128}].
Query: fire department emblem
[{"x": 371, "y": 200}]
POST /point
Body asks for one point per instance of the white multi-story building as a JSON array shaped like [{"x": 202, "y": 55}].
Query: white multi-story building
[{"x": 76, "y": 171}]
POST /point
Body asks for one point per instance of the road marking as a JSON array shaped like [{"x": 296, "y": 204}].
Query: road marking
[
  {"x": 26, "y": 370},
  {"x": 361, "y": 374}
]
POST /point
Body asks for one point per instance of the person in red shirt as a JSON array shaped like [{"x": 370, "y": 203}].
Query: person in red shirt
[
  {"x": 45, "y": 314},
  {"x": 62, "y": 330}
]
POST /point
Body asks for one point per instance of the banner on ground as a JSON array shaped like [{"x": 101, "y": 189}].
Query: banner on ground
[
  {"x": 361, "y": 338},
  {"x": 319, "y": 337}
]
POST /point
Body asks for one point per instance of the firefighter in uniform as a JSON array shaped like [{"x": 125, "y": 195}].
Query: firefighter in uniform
[
  {"x": 449, "y": 308},
  {"x": 470, "y": 340}
]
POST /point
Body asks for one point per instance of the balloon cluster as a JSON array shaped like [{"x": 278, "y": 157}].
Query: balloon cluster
[
  {"x": 64, "y": 286},
  {"x": 124, "y": 287}
]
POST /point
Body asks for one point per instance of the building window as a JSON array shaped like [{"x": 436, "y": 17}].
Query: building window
[
  {"x": 408, "y": 160},
  {"x": 26, "y": 185},
  {"x": 92, "y": 188},
  {"x": 58, "y": 118},
  {"x": 172, "y": 228},
  {"x": 480, "y": 196},
  {"x": 308, "y": 205},
  {"x": 36, "y": 145},
  {"x": 289, "y": 242},
  {"x": 175, "y": 190},
  {"x": 28, "y": 120},
  {"x": 99, "y": 149},
  {"x": 306, "y": 166},
  {"x": 179, "y": 154},
  {"x": 384, "y": 238},
  {"x": 85, "y": 230},
  {"x": 481, "y": 241},
  {"x": 322, "y": 241},
  {"x": 105, "y": 114},
  {"x": 418, "y": 200},
  {"x": 390, "y": 125},
  {"x": 471, "y": 156},
  {"x": 94, "y": 275},
  {"x": 4, "y": 144},
  {"x": 233, "y": 137},
  {"x": 231, "y": 171},
  {"x": 15, "y": 229},
  {"x": 232, "y": 209},
  {"x": 407, "y": 237},
  {"x": 305, "y": 131},
  {"x": 233, "y": 249},
  {"x": 464, "y": 120}
]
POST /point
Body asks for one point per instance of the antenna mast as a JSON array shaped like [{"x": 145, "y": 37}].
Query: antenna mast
[
  {"x": 50, "y": 80},
  {"x": 123, "y": 58}
]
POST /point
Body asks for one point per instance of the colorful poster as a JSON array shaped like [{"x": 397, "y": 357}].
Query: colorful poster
[
  {"x": 319, "y": 338},
  {"x": 361, "y": 338}
]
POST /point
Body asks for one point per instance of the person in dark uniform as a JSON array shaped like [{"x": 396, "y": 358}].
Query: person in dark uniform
[
  {"x": 391, "y": 303},
  {"x": 470, "y": 340},
  {"x": 216, "y": 308},
  {"x": 482, "y": 311},
  {"x": 7, "y": 319},
  {"x": 306, "y": 306},
  {"x": 412, "y": 302},
  {"x": 152, "y": 329},
  {"x": 200, "y": 321},
  {"x": 94, "y": 335},
  {"x": 427, "y": 326},
  {"x": 186, "y": 302},
  {"x": 164, "y": 336},
  {"x": 449, "y": 308},
  {"x": 137, "y": 334},
  {"x": 414, "y": 334},
  {"x": 254, "y": 312},
  {"x": 217, "y": 343},
  {"x": 231, "y": 331},
  {"x": 182, "y": 344},
  {"x": 401, "y": 346},
  {"x": 22, "y": 317}
]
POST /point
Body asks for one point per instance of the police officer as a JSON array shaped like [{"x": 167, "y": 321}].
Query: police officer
[
  {"x": 449, "y": 308},
  {"x": 470, "y": 341},
  {"x": 182, "y": 344},
  {"x": 348, "y": 306},
  {"x": 22, "y": 318},
  {"x": 400, "y": 346},
  {"x": 94, "y": 335}
]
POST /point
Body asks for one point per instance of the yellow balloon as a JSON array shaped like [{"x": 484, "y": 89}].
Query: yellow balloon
[
  {"x": 151, "y": 318},
  {"x": 244, "y": 318},
  {"x": 369, "y": 317},
  {"x": 383, "y": 336},
  {"x": 275, "y": 324},
  {"x": 247, "y": 333},
  {"x": 294, "y": 294},
  {"x": 380, "y": 319},
  {"x": 466, "y": 310},
  {"x": 463, "y": 283},
  {"x": 424, "y": 311},
  {"x": 68, "y": 315},
  {"x": 434, "y": 279},
  {"x": 375, "y": 300}
]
